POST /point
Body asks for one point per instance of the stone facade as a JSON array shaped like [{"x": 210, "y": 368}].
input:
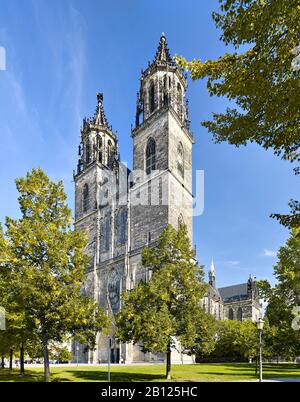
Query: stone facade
[{"x": 123, "y": 211}]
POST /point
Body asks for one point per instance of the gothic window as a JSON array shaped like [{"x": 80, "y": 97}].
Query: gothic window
[
  {"x": 87, "y": 152},
  {"x": 179, "y": 100},
  {"x": 152, "y": 97},
  {"x": 165, "y": 81},
  {"x": 165, "y": 93},
  {"x": 240, "y": 314},
  {"x": 150, "y": 156},
  {"x": 121, "y": 220},
  {"x": 85, "y": 198},
  {"x": 109, "y": 152},
  {"x": 114, "y": 292},
  {"x": 105, "y": 234},
  {"x": 99, "y": 149},
  {"x": 230, "y": 314},
  {"x": 180, "y": 160}
]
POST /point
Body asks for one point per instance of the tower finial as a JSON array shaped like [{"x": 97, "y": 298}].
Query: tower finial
[
  {"x": 99, "y": 117},
  {"x": 212, "y": 274},
  {"x": 163, "y": 53}
]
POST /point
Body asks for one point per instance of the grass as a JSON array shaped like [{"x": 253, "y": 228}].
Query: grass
[{"x": 194, "y": 372}]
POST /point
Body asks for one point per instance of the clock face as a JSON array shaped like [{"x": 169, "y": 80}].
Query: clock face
[{"x": 114, "y": 292}]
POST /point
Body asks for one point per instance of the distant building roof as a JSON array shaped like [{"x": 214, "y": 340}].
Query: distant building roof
[
  {"x": 214, "y": 293},
  {"x": 234, "y": 292}
]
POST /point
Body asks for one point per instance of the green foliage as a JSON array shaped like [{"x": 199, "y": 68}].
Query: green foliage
[
  {"x": 43, "y": 267},
  {"x": 236, "y": 340},
  {"x": 284, "y": 341},
  {"x": 167, "y": 306},
  {"x": 259, "y": 77},
  {"x": 61, "y": 354},
  {"x": 206, "y": 336}
]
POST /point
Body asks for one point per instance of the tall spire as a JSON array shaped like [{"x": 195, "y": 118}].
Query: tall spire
[
  {"x": 163, "y": 53},
  {"x": 212, "y": 274},
  {"x": 99, "y": 117}
]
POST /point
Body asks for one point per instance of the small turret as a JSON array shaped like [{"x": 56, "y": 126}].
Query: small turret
[
  {"x": 212, "y": 274},
  {"x": 163, "y": 86}
]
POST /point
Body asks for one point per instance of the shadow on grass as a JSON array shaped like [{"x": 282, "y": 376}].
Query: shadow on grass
[
  {"x": 14, "y": 376},
  {"x": 115, "y": 377}
]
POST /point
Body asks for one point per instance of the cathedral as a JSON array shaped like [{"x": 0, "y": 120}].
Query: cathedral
[{"x": 123, "y": 211}]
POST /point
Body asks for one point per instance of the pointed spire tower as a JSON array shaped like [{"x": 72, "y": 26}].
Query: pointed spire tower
[
  {"x": 163, "y": 53},
  {"x": 212, "y": 274},
  {"x": 98, "y": 142},
  {"x": 163, "y": 86},
  {"x": 99, "y": 117}
]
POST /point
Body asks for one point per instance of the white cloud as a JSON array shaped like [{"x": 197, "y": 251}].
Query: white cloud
[{"x": 269, "y": 253}]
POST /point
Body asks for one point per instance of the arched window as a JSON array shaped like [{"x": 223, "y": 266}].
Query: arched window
[
  {"x": 121, "y": 220},
  {"x": 87, "y": 152},
  {"x": 109, "y": 152},
  {"x": 180, "y": 160},
  {"x": 152, "y": 97},
  {"x": 240, "y": 314},
  {"x": 179, "y": 100},
  {"x": 150, "y": 156},
  {"x": 230, "y": 314},
  {"x": 85, "y": 198},
  {"x": 165, "y": 91},
  {"x": 105, "y": 234}
]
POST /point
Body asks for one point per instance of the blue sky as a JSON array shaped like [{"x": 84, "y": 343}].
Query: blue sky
[{"x": 59, "y": 54}]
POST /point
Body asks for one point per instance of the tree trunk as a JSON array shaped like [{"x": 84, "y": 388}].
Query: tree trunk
[
  {"x": 168, "y": 363},
  {"x": 11, "y": 355},
  {"x": 46, "y": 361},
  {"x": 2, "y": 362},
  {"x": 22, "y": 367},
  {"x": 256, "y": 365}
]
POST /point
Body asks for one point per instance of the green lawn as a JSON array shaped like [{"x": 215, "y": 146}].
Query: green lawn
[{"x": 195, "y": 372}]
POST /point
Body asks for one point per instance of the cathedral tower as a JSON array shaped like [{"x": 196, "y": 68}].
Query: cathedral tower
[
  {"x": 124, "y": 211},
  {"x": 162, "y": 151}
]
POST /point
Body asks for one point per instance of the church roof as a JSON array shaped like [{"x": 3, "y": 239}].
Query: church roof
[
  {"x": 234, "y": 292},
  {"x": 213, "y": 293}
]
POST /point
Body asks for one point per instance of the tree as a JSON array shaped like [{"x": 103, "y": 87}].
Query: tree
[
  {"x": 166, "y": 308},
  {"x": 284, "y": 339},
  {"x": 260, "y": 76},
  {"x": 47, "y": 272},
  {"x": 236, "y": 340},
  {"x": 206, "y": 336}
]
